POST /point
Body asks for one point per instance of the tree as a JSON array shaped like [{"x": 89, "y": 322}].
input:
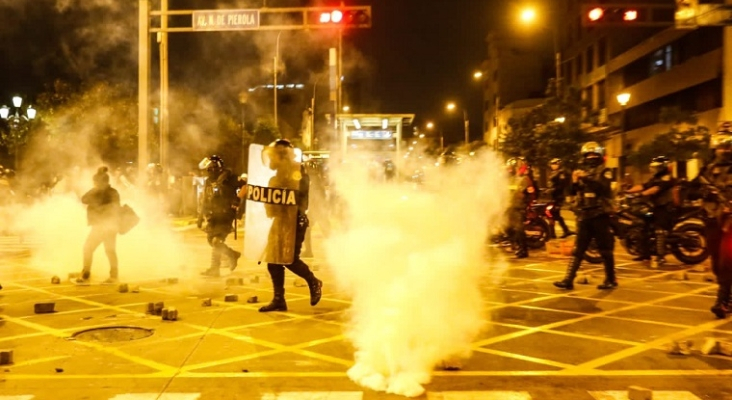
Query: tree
[
  {"x": 265, "y": 131},
  {"x": 684, "y": 138},
  {"x": 550, "y": 130},
  {"x": 87, "y": 123},
  {"x": 15, "y": 136}
]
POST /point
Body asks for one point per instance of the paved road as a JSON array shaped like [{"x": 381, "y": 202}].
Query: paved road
[{"x": 541, "y": 343}]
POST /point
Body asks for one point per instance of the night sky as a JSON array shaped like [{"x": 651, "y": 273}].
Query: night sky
[{"x": 420, "y": 53}]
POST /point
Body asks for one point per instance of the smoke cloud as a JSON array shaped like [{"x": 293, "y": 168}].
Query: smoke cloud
[{"x": 413, "y": 261}]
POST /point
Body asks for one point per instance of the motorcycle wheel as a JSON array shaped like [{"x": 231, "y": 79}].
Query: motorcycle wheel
[
  {"x": 692, "y": 247},
  {"x": 537, "y": 233},
  {"x": 592, "y": 255}
]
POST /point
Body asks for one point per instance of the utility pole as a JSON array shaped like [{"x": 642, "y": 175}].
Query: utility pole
[
  {"x": 143, "y": 89},
  {"x": 276, "y": 65}
]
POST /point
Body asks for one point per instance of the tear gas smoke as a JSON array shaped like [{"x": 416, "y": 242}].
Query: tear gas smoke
[
  {"x": 56, "y": 227},
  {"x": 413, "y": 262}
]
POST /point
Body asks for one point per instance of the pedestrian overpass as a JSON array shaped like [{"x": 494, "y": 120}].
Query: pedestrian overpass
[{"x": 373, "y": 133}]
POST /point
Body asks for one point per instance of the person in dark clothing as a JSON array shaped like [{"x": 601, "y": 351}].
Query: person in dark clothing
[
  {"x": 523, "y": 193},
  {"x": 714, "y": 186},
  {"x": 558, "y": 183},
  {"x": 659, "y": 189},
  {"x": 219, "y": 209},
  {"x": 103, "y": 207},
  {"x": 289, "y": 175},
  {"x": 318, "y": 212},
  {"x": 592, "y": 188}
]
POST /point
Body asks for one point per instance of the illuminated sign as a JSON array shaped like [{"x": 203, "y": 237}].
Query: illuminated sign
[
  {"x": 378, "y": 135},
  {"x": 225, "y": 20}
]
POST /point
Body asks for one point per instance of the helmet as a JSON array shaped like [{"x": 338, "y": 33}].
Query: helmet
[
  {"x": 593, "y": 154},
  {"x": 213, "y": 162},
  {"x": 660, "y": 164},
  {"x": 555, "y": 161},
  {"x": 592, "y": 148},
  {"x": 274, "y": 153}
]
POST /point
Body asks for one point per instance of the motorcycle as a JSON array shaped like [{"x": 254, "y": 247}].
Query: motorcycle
[
  {"x": 536, "y": 228},
  {"x": 632, "y": 224}
]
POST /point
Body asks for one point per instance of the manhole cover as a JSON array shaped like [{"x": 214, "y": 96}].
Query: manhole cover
[{"x": 113, "y": 334}]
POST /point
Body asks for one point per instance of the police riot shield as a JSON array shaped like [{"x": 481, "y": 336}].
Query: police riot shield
[{"x": 271, "y": 203}]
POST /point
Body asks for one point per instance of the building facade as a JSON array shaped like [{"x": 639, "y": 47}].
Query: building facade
[
  {"x": 512, "y": 71},
  {"x": 658, "y": 67}
]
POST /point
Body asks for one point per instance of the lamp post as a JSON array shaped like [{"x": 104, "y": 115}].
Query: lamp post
[
  {"x": 274, "y": 76},
  {"x": 623, "y": 99},
  {"x": 430, "y": 127},
  {"x": 466, "y": 123},
  {"x": 528, "y": 16},
  {"x": 16, "y": 116}
]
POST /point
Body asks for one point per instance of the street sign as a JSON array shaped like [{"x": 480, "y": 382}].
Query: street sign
[
  {"x": 379, "y": 135},
  {"x": 225, "y": 20}
]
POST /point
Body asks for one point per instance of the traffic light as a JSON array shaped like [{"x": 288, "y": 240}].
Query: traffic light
[
  {"x": 341, "y": 17},
  {"x": 626, "y": 15}
]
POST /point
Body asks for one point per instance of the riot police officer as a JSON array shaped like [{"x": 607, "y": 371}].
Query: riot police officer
[
  {"x": 593, "y": 193},
  {"x": 318, "y": 210},
  {"x": 659, "y": 189},
  {"x": 714, "y": 186},
  {"x": 524, "y": 192},
  {"x": 218, "y": 209},
  {"x": 282, "y": 161},
  {"x": 558, "y": 182}
]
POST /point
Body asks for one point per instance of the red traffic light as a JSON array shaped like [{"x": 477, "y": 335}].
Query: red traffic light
[
  {"x": 595, "y": 14},
  {"x": 345, "y": 17}
]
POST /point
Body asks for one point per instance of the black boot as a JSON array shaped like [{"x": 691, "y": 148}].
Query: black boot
[
  {"x": 608, "y": 261},
  {"x": 214, "y": 270},
  {"x": 568, "y": 281},
  {"x": 721, "y": 306},
  {"x": 234, "y": 257},
  {"x": 660, "y": 249},
  {"x": 316, "y": 290},
  {"x": 302, "y": 270},
  {"x": 278, "y": 303}
]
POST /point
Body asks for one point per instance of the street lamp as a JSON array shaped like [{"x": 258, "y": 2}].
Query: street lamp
[
  {"x": 430, "y": 125},
  {"x": 623, "y": 99},
  {"x": 346, "y": 108},
  {"x": 528, "y": 16},
  {"x": 15, "y": 116},
  {"x": 477, "y": 75},
  {"x": 560, "y": 120},
  {"x": 451, "y": 107}
]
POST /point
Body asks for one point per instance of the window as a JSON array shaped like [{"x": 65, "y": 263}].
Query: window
[
  {"x": 589, "y": 60},
  {"x": 486, "y": 105},
  {"x": 661, "y": 60},
  {"x": 495, "y": 122},
  {"x": 601, "y": 52},
  {"x": 601, "y": 94}
]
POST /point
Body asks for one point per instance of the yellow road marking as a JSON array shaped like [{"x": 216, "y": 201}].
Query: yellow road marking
[
  {"x": 38, "y": 361},
  {"x": 110, "y": 350},
  {"x": 523, "y": 357}
]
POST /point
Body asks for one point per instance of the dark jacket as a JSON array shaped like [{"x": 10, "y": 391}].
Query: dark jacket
[
  {"x": 102, "y": 206},
  {"x": 219, "y": 201}
]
